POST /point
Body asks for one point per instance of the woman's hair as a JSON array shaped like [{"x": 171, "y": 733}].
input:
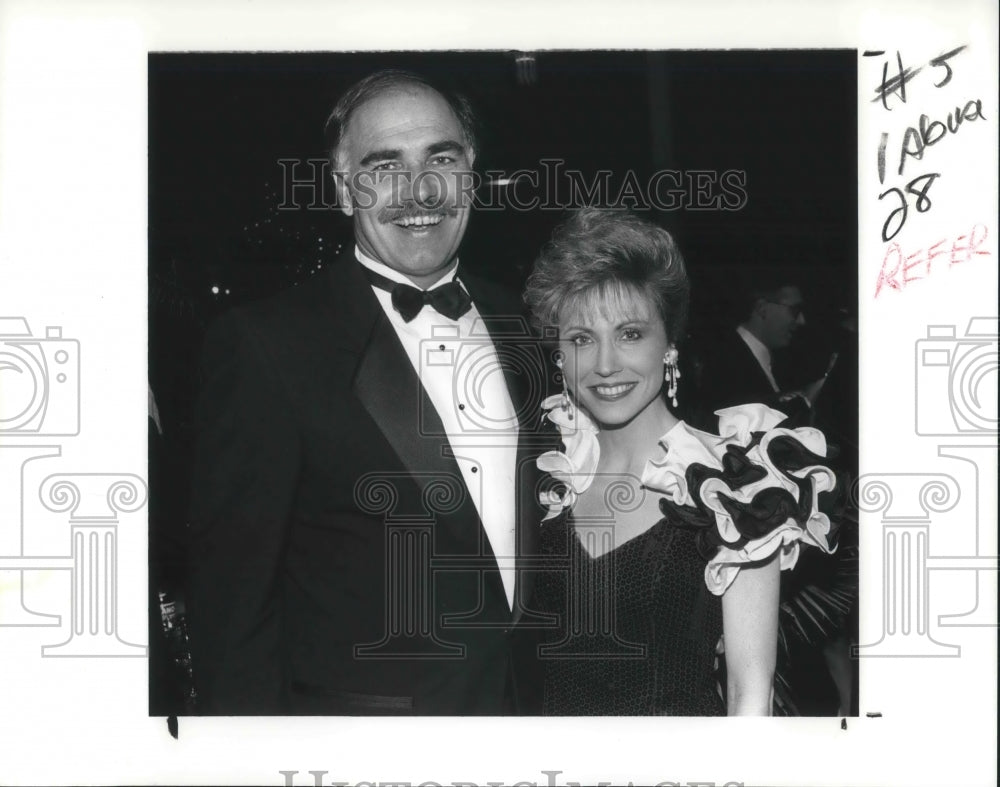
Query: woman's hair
[{"x": 605, "y": 252}]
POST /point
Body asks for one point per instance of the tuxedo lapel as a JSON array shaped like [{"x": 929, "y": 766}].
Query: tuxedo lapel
[
  {"x": 517, "y": 350},
  {"x": 388, "y": 387}
]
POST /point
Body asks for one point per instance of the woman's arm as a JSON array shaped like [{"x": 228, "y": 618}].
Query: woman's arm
[{"x": 750, "y": 628}]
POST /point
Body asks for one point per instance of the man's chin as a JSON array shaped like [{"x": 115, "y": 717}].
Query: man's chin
[{"x": 420, "y": 263}]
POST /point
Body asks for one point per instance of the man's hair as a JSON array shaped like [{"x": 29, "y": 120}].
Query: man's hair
[
  {"x": 605, "y": 252},
  {"x": 385, "y": 81},
  {"x": 763, "y": 285}
]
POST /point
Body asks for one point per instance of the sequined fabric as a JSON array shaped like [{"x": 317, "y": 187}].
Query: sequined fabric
[{"x": 638, "y": 627}]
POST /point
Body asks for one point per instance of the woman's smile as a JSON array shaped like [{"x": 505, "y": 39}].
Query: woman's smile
[{"x": 612, "y": 392}]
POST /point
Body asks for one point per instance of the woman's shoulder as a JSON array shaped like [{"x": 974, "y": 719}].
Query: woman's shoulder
[{"x": 755, "y": 490}]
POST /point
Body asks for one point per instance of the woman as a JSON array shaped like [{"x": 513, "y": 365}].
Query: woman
[{"x": 661, "y": 539}]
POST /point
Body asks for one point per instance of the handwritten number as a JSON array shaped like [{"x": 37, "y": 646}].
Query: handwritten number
[
  {"x": 901, "y": 211},
  {"x": 941, "y": 61},
  {"x": 898, "y": 215},
  {"x": 881, "y": 157},
  {"x": 915, "y": 139},
  {"x": 897, "y": 84},
  {"x": 923, "y": 203}
]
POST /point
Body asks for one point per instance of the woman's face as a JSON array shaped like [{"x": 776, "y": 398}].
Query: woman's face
[{"x": 613, "y": 344}]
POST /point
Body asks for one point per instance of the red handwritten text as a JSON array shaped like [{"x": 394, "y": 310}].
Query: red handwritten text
[{"x": 900, "y": 269}]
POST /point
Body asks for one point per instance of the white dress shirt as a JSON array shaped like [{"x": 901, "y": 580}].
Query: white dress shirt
[
  {"x": 760, "y": 352},
  {"x": 457, "y": 365}
]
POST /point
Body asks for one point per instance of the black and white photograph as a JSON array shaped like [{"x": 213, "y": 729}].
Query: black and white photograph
[
  {"x": 607, "y": 474},
  {"x": 498, "y": 394}
]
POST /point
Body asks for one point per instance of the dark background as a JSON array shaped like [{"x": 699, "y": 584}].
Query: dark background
[{"x": 219, "y": 123}]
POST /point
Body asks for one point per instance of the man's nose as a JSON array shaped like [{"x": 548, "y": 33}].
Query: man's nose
[
  {"x": 801, "y": 319},
  {"x": 424, "y": 187}
]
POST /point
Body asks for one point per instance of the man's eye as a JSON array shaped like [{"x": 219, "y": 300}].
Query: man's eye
[
  {"x": 384, "y": 166},
  {"x": 443, "y": 161}
]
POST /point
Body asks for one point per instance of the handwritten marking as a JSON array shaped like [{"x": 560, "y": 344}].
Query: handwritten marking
[
  {"x": 923, "y": 202},
  {"x": 925, "y": 133},
  {"x": 883, "y": 141},
  {"x": 942, "y": 60},
  {"x": 899, "y": 269},
  {"x": 915, "y": 140},
  {"x": 896, "y": 85}
]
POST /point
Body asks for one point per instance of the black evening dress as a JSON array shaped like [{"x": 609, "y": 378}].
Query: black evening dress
[{"x": 638, "y": 627}]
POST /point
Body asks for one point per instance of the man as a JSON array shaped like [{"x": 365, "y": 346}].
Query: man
[
  {"x": 356, "y": 481},
  {"x": 740, "y": 369}
]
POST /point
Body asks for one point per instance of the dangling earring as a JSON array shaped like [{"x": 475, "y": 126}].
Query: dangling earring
[
  {"x": 567, "y": 403},
  {"x": 672, "y": 373}
]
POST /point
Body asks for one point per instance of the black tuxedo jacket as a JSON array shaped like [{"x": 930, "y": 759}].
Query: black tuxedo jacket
[
  {"x": 732, "y": 376},
  {"x": 338, "y": 563}
]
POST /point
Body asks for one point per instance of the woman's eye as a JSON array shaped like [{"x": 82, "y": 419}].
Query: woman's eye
[
  {"x": 631, "y": 334},
  {"x": 580, "y": 339}
]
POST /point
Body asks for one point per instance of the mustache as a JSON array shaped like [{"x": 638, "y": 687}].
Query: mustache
[{"x": 412, "y": 210}]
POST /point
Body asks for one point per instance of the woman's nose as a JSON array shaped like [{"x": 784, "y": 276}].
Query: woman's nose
[{"x": 607, "y": 359}]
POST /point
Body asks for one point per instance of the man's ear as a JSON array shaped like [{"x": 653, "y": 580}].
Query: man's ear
[
  {"x": 344, "y": 201},
  {"x": 759, "y": 306}
]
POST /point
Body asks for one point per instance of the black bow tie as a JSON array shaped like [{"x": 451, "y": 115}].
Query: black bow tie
[{"x": 450, "y": 299}]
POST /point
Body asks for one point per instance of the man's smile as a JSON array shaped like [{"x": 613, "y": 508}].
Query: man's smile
[{"x": 419, "y": 222}]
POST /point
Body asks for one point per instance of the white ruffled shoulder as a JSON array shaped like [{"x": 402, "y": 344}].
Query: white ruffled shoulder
[
  {"x": 683, "y": 446},
  {"x": 574, "y": 467}
]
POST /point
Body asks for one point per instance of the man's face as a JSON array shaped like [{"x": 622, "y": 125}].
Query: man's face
[
  {"x": 407, "y": 167},
  {"x": 781, "y": 317}
]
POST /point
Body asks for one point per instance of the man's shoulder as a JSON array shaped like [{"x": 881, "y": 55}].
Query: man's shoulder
[
  {"x": 728, "y": 343},
  {"x": 300, "y": 307},
  {"x": 492, "y": 296}
]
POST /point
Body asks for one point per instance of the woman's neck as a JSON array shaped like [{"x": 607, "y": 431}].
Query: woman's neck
[{"x": 626, "y": 448}]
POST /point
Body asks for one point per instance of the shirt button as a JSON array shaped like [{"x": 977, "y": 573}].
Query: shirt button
[
  {"x": 441, "y": 347},
  {"x": 475, "y": 469},
  {"x": 461, "y": 407}
]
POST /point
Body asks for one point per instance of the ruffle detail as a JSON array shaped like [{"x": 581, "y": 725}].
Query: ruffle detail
[
  {"x": 574, "y": 467},
  {"x": 754, "y": 490}
]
